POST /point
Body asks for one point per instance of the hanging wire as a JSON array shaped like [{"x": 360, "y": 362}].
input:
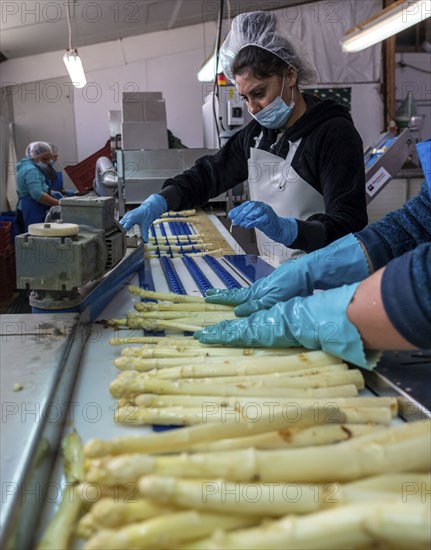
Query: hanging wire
[
  {"x": 69, "y": 26},
  {"x": 216, "y": 86},
  {"x": 229, "y": 14}
]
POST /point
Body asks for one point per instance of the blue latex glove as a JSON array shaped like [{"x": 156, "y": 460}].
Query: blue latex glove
[
  {"x": 262, "y": 216},
  {"x": 341, "y": 262},
  {"x": 315, "y": 322},
  {"x": 69, "y": 192},
  {"x": 57, "y": 195},
  {"x": 151, "y": 209}
]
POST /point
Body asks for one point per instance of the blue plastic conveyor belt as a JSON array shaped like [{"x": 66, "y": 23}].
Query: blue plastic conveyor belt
[
  {"x": 179, "y": 228},
  {"x": 174, "y": 283},
  {"x": 222, "y": 273},
  {"x": 198, "y": 276}
]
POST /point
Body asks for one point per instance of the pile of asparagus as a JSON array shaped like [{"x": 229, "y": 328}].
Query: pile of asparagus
[
  {"x": 161, "y": 491},
  {"x": 277, "y": 450},
  {"x": 176, "y": 313},
  {"x": 178, "y": 245}
]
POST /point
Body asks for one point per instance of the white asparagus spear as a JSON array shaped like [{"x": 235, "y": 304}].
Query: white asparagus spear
[
  {"x": 196, "y": 237},
  {"x": 290, "y": 438},
  {"x": 145, "y": 352},
  {"x": 178, "y": 247},
  {"x": 254, "y": 499},
  {"x": 126, "y": 388},
  {"x": 123, "y": 386},
  {"x": 165, "y": 340},
  {"x": 73, "y": 457},
  {"x": 385, "y": 524},
  {"x": 178, "y": 219},
  {"x": 59, "y": 530},
  {"x": 222, "y": 354},
  {"x": 259, "y": 364},
  {"x": 219, "y": 438},
  {"x": 165, "y": 531},
  {"x": 155, "y": 324},
  {"x": 214, "y": 252},
  {"x": 180, "y": 439},
  {"x": 357, "y": 458},
  {"x": 145, "y": 365},
  {"x": 188, "y": 416},
  {"x": 86, "y": 527},
  {"x": 270, "y": 379},
  {"x": 90, "y": 493},
  {"x": 209, "y": 317},
  {"x": 325, "y": 404},
  {"x": 405, "y": 487},
  {"x": 174, "y": 214},
  {"x": 109, "y": 513},
  {"x": 165, "y": 296},
  {"x": 153, "y": 306},
  {"x": 178, "y": 239},
  {"x": 212, "y": 362},
  {"x": 274, "y": 499}
]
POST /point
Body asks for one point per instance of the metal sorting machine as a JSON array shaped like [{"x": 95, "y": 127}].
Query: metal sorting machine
[
  {"x": 384, "y": 160},
  {"x": 64, "y": 366},
  {"x": 141, "y": 173}
]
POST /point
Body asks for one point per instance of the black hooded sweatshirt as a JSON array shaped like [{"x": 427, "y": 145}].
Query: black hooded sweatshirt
[{"x": 330, "y": 158}]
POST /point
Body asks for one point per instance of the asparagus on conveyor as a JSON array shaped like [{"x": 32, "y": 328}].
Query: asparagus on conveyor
[
  {"x": 59, "y": 531},
  {"x": 262, "y": 420},
  {"x": 394, "y": 450},
  {"x": 384, "y": 523}
]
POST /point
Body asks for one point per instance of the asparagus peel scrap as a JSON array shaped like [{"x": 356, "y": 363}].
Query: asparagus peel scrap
[{"x": 59, "y": 531}]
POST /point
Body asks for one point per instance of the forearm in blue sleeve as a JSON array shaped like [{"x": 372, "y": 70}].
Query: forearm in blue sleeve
[
  {"x": 36, "y": 186},
  {"x": 398, "y": 232},
  {"x": 406, "y": 295}
]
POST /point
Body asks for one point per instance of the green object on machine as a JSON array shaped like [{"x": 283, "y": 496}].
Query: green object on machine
[{"x": 406, "y": 111}]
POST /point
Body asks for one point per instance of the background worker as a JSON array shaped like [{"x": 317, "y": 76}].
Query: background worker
[
  {"x": 55, "y": 177},
  {"x": 303, "y": 157},
  {"x": 33, "y": 191},
  {"x": 377, "y": 295}
]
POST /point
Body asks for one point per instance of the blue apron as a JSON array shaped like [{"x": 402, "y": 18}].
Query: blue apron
[{"x": 32, "y": 211}]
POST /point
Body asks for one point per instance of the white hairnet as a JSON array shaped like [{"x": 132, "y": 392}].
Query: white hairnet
[
  {"x": 54, "y": 148},
  {"x": 265, "y": 30},
  {"x": 37, "y": 148}
]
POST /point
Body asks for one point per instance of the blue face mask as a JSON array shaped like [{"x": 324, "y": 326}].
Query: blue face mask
[
  {"x": 276, "y": 114},
  {"x": 41, "y": 165},
  {"x": 424, "y": 153},
  {"x": 51, "y": 162}
]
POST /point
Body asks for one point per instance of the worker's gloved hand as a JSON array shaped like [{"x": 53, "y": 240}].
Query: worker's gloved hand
[
  {"x": 151, "y": 209},
  {"x": 341, "y": 262},
  {"x": 57, "y": 195},
  {"x": 69, "y": 192},
  {"x": 314, "y": 322},
  {"x": 262, "y": 216}
]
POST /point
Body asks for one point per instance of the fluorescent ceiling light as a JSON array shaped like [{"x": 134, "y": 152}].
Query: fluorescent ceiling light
[
  {"x": 395, "y": 18},
  {"x": 74, "y": 68},
  {"x": 207, "y": 72}
]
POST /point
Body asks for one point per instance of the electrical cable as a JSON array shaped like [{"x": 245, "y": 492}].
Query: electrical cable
[
  {"x": 216, "y": 87},
  {"x": 69, "y": 26},
  {"x": 401, "y": 65}
]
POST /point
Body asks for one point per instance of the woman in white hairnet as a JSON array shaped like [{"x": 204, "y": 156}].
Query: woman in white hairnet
[
  {"x": 33, "y": 191},
  {"x": 54, "y": 178},
  {"x": 303, "y": 157}
]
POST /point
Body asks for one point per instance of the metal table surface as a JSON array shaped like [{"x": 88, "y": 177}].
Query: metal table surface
[{"x": 39, "y": 355}]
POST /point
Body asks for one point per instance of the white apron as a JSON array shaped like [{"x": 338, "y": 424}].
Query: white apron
[{"x": 272, "y": 179}]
